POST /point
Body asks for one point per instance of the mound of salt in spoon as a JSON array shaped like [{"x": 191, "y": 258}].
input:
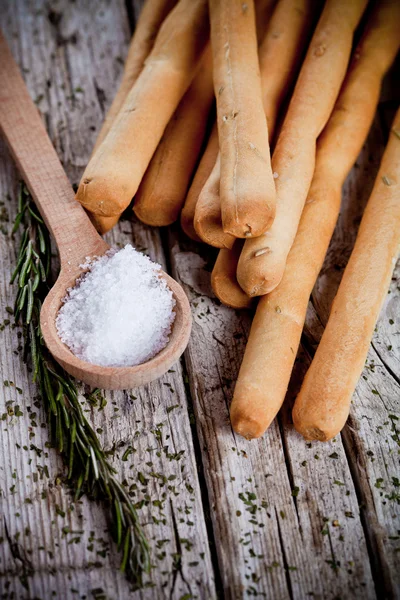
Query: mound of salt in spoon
[{"x": 119, "y": 313}]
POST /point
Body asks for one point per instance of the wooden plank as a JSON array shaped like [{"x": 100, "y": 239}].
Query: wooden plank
[
  {"x": 71, "y": 55},
  {"x": 371, "y": 437},
  {"x": 289, "y": 530}
]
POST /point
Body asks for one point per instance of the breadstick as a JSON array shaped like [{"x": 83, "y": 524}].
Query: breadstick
[
  {"x": 322, "y": 406},
  {"x": 223, "y": 273},
  {"x": 281, "y": 51},
  {"x": 151, "y": 16},
  {"x": 207, "y": 162},
  {"x": 162, "y": 191},
  {"x": 247, "y": 188},
  {"x": 262, "y": 262},
  {"x": 103, "y": 224},
  {"x": 203, "y": 171},
  {"x": 279, "y": 55},
  {"x": 275, "y": 334},
  {"x": 263, "y": 10},
  {"x": 114, "y": 173},
  {"x": 207, "y": 217}
]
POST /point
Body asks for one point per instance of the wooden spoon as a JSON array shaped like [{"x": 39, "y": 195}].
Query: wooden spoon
[{"x": 75, "y": 236}]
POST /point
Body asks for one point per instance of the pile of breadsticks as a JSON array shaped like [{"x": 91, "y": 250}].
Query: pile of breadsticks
[{"x": 302, "y": 77}]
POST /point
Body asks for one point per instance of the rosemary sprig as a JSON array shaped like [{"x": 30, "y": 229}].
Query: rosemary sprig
[{"x": 89, "y": 471}]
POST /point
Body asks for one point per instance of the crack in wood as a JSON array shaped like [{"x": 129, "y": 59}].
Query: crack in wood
[
  {"x": 373, "y": 535},
  {"x": 178, "y": 557},
  {"x": 286, "y": 455},
  {"x": 384, "y": 363},
  {"x": 18, "y": 552},
  {"x": 285, "y": 562},
  {"x": 202, "y": 482},
  {"x": 131, "y": 7}
]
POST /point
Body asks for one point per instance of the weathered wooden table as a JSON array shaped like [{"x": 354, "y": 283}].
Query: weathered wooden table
[{"x": 275, "y": 518}]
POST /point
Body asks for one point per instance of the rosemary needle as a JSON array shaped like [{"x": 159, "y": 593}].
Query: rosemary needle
[{"x": 89, "y": 471}]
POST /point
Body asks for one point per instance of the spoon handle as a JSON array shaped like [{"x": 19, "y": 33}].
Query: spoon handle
[{"x": 39, "y": 165}]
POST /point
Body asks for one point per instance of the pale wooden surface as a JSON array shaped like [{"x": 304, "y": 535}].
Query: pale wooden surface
[{"x": 328, "y": 540}]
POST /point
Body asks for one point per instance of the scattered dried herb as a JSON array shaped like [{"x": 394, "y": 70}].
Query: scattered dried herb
[{"x": 88, "y": 470}]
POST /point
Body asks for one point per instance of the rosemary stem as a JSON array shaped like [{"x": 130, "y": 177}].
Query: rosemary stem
[{"x": 88, "y": 469}]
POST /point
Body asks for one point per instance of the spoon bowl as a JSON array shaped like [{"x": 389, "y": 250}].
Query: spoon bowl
[
  {"x": 114, "y": 378},
  {"x": 74, "y": 234}
]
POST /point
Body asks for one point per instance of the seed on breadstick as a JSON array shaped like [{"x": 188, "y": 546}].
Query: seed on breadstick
[
  {"x": 279, "y": 54},
  {"x": 202, "y": 173},
  {"x": 293, "y": 161},
  {"x": 275, "y": 334},
  {"x": 323, "y": 404},
  {"x": 246, "y": 184},
  {"x": 114, "y": 173},
  {"x": 162, "y": 191},
  {"x": 223, "y": 273}
]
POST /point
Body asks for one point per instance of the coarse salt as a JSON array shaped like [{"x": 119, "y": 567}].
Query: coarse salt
[{"x": 119, "y": 313}]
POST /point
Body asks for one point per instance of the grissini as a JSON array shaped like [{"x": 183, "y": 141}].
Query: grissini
[
  {"x": 224, "y": 273},
  {"x": 209, "y": 157},
  {"x": 262, "y": 261},
  {"x": 279, "y": 54},
  {"x": 203, "y": 171},
  {"x": 103, "y": 224},
  {"x": 275, "y": 334},
  {"x": 247, "y": 188},
  {"x": 150, "y": 18},
  {"x": 263, "y": 10},
  {"x": 162, "y": 191},
  {"x": 323, "y": 404},
  {"x": 207, "y": 217},
  {"x": 114, "y": 172}
]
